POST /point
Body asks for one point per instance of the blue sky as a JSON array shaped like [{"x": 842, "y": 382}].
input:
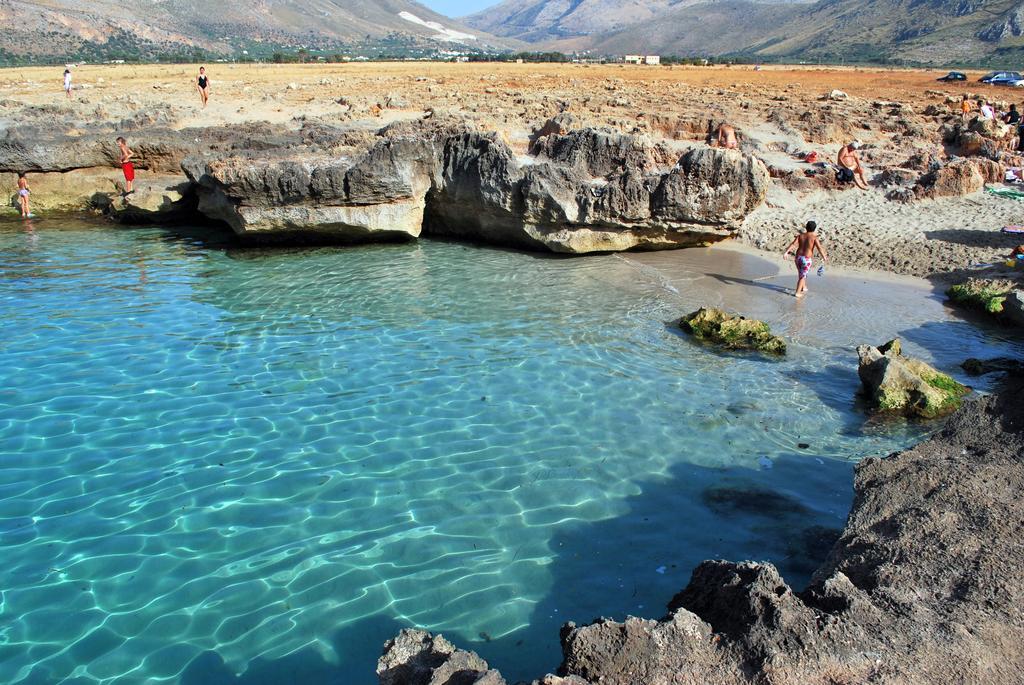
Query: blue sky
[{"x": 458, "y": 8}]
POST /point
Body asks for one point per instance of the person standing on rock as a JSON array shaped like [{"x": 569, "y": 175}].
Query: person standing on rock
[
  {"x": 23, "y": 193},
  {"x": 126, "y": 166},
  {"x": 203, "y": 86},
  {"x": 804, "y": 246},
  {"x": 67, "y": 83},
  {"x": 966, "y": 107}
]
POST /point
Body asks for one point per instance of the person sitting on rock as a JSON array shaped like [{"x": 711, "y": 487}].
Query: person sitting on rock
[
  {"x": 986, "y": 110},
  {"x": 727, "y": 137},
  {"x": 850, "y": 168},
  {"x": 1012, "y": 117}
]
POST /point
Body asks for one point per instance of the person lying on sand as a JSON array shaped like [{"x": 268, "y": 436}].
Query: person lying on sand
[
  {"x": 1018, "y": 253},
  {"x": 727, "y": 137},
  {"x": 804, "y": 245},
  {"x": 850, "y": 168}
]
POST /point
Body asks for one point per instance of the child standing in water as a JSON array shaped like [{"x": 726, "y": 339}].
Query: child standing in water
[
  {"x": 23, "y": 194},
  {"x": 804, "y": 246},
  {"x": 126, "y": 166}
]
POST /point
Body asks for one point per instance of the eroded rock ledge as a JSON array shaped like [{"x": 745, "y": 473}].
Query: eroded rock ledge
[
  {"x": 924, "y": 586},
  {"x": 572, "y": 191},
  {"x": 582, "y": 191}
]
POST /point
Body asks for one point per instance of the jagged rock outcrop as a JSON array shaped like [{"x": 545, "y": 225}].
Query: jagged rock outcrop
[
  {"x": 923, "y": 585},
  {"x": 732, "y": 332},
  {"x": 583, "y": 191},
  {"x": 959, "y": 177},
  {"x": 415, "y": 657},
  {"x": 894, "y": 383}
]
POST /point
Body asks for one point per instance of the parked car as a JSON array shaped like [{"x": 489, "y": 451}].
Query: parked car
[
  {"x": 1000, "y": 78},
  {"x": 953, "y": 76}
]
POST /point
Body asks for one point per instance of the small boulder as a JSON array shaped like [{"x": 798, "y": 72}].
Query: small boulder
[
  {"x": 955, "y": 179},
  {"x": 1013, "y": 307},
  {"x": 415, "y": 657},
  {"x": 983, "y": 294},
  {"x": 837, "y": 95},
  {"x": 904, "y": 385},
  {"x": 732, "y": 332}
]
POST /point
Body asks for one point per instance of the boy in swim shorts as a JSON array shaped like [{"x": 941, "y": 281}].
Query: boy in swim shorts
[
  {"x": 23, "y": 194},
  {"x": 126, "y": 166},
  {"x": 804, "y": 246}
]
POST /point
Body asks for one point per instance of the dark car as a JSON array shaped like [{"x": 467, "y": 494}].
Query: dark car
[
  {"x": 953, "y": 76},
  {"x": 1000, "y": 77}
]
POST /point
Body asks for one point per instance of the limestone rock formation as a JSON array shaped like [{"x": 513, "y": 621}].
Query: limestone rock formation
[
  {"x": 583, "y": 191},
  {"x": 923, "y": 586},
  {"x": 957, "y": 178},
  {"x": 894, "y": 383},
  {"x": 732, "y": 332},
  {"x": 415, "y": 657}
]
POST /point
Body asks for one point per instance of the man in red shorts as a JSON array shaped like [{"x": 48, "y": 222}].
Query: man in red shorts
[{"x": 126, "y": 166}]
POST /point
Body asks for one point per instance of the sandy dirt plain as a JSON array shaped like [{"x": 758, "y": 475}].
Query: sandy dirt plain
[{"x": 779, "y": 112}]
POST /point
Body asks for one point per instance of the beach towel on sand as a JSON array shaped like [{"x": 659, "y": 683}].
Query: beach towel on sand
[
  {"x": 1009, "y": 193},
  {"x": 1012, "y": 229}
]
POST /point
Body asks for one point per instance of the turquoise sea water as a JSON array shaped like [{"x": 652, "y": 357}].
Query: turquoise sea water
[{"x": 223, "y": 465}]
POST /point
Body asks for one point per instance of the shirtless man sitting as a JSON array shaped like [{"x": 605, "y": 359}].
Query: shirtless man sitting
[
  {"x": 727, "y": 137},
  {"x": 850, "y": 168}
]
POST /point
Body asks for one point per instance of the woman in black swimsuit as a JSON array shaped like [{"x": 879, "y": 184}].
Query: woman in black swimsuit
[{"x": 202, "y": 84}]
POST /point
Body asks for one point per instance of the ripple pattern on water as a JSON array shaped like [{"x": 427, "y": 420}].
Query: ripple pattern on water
[{"x": 226, "y": 451}]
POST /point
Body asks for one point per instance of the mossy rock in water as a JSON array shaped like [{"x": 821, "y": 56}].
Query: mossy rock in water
[
  {"x": 904, "y": 385},
  {"x": 983, "y": 294},
  {"x": 732, "y": 332}
]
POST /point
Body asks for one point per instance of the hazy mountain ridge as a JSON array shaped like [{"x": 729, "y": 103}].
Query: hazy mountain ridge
[
  {"x": 936, "y": 31},
  {"x": 57, "y": 27}
]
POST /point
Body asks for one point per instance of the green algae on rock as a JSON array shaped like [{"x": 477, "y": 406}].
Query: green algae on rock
[
  {"x": 731, "y": 331},
  {"x": 904, "y": 385},
  {"x": 987, "y": 295}
]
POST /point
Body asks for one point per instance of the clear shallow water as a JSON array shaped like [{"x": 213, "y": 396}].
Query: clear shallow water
[{"x": 234, "y": 466}]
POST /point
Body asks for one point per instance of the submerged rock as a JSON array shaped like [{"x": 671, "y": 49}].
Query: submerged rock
[
  {"x": 894, "y": 383},
  {"x": 732, "y": 332}
]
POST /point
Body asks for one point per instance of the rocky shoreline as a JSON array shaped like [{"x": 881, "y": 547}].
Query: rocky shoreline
[{"x": 922, "y": 587}]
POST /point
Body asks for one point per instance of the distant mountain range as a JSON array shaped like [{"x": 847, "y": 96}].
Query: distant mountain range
[
  {"x": 914, "y": 31},
  {"x": 923, "y": 31},
  {"x": 55, "y": 27}
]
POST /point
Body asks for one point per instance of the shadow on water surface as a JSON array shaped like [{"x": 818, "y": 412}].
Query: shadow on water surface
[
  {"x": 789, "y": 513},
  {"x": 357, "y": 646}
]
